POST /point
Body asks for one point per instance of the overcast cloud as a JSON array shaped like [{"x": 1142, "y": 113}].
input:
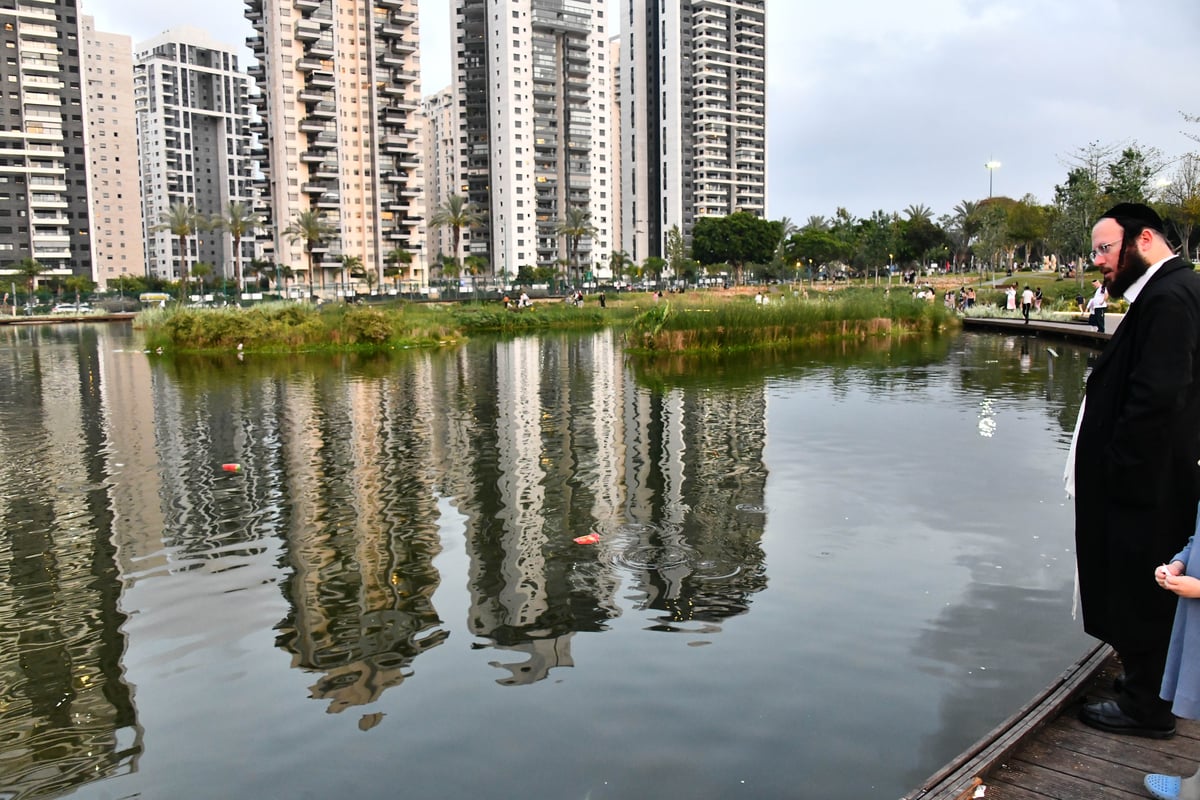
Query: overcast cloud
[{"x": 874, "y": 104}]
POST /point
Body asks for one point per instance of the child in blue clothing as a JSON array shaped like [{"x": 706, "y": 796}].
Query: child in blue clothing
[{"x": 1181, "y": 677}]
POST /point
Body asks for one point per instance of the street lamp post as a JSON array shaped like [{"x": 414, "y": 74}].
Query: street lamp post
[{"x": 991, "y": 167}]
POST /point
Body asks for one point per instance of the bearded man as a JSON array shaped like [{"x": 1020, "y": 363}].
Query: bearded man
[{"x": 1137, "y": 480}]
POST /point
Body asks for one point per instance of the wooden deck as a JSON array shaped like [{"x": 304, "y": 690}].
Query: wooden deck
[{"x": 1043, "y": 752}]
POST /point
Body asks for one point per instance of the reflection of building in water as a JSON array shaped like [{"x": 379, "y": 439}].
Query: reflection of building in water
[
  {"x": 695, "y": 464},
  {"x": 66, "y": 714},
  {"x": 578, "y": 449},
  {"x": 548, "y": 471},
  {"x": 363, "y": 541}
]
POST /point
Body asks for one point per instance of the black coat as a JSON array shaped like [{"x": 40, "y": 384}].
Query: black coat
[{"x": 1137, "y": 480}]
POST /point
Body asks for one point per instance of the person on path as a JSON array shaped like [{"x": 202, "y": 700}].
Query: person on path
[
  {"x": 1181, "y": 676},
  {"x": 1026, "y": 303},
  {"x": 1010, "y": 298},
  {"x": 1097, "y": 305},
  {"x": 1134, "y": 473}
]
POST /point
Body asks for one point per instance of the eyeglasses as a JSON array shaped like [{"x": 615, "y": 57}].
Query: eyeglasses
[{"x": 1102, "y": 249}]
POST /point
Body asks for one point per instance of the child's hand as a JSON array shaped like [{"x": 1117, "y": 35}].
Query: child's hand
[{"x": 1181, "y": 585}]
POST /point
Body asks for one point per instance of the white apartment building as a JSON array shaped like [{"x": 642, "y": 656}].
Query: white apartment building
[
  {"x": 339, "y": 128},
  {"x": 693, "y": 100},
  {"x": 534, "y": 121},
  {"x": 443, "y": 177},
  {"x": 117, "y": 226},
  {"x": 193, "y": 122}
]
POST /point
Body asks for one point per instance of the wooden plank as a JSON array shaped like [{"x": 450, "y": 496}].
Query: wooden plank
[
  {"x": 957, "y": 777},
  {"x": 1017, "y": 779}
]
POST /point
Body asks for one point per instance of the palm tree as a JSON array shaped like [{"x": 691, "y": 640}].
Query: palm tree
[
  {"x": 919, "y": 211},
  {"x": 969, "y": 222},
  {"x": 311, "y": 228},
  {"x": 576, "y": 224},
  {"x": 240, "y": 220},
  {"x": 29, "y": 269},
  {"x": 181, "y": 220},
  {"x": 395, "y": 258},
  {"x": 352, "y": 265},
  {"x": 201, "y": 270},
  {"x": 458, "y": 213}
]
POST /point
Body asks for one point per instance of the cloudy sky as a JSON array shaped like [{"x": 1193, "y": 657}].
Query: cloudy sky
[{"x": 877, "y": 104}]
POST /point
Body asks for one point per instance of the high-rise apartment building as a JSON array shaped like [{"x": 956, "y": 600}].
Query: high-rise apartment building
[
  {"x": 340, "y": 102},
  {"x": 44, "y": 206},
  {"x": 694, "y": 105},
  {"x": 443, "y": 177},
  {"x": 193, "y": 118},
  {"x": 534, "y": 78},
  {"x": 112, "y": 139}
]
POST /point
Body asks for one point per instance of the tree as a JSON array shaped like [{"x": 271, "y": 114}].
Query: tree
[
  {"x": 575, "y": 224},
  {"x": 1131, "y": 177},
  {"x": 653, "y": 265},
  {"x": 458, "y": 213},
  {"x": 79, "y": 285},
  {"x": 182, "y": 220},
  {"x": 310, "y": 227},
  {"x": 737, "y": 239},
  {"x": 619, "y": 263},
  {"x": 29, "y": 269},
  {"x": 201, "y": 270},
  {"x": 967, "y": 223},
  {"x": 1027, "y": 225},
  {"x": 1181, "y": 199},
  {"x": 814, "y": 248},
  {"x": 676, "y": 252},
  {"x": 351, "y": 267},
  {"x": 395, "y": 258},
  {"x": 240, "y": 220},
  {"x": 786, "y": 229}
]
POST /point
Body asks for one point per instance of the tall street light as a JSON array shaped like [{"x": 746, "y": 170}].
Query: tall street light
[{"x": 991, "y": 167}]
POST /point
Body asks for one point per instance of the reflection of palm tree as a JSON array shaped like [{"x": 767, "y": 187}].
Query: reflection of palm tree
[
  {"x": 181, "y": 220},
  {"x": 576, "y": 224},
  {"x": 458, "y": 213},
  {"x": 310, "y": 227}
]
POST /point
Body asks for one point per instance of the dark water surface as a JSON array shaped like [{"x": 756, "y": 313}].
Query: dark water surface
[{"x": 817, "y": 576}]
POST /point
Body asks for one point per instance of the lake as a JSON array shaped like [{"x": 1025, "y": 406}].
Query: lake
[{"x": 815, "y": 575}]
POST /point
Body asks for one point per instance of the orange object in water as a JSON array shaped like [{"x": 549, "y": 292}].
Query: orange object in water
[
  {"x": 232, "y": 467},
  {"x": 590, "y": 538}
]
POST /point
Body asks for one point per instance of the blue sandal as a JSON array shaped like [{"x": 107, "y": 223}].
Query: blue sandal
[{"x": 1164, "y": 787}]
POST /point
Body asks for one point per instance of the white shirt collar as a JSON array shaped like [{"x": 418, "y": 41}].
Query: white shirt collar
[{"x": 1133, "y": 291}]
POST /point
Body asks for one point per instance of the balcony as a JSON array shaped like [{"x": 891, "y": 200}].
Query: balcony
[
  {"x": 325, "y": 110},
  {"x": 322, "y": 79}
]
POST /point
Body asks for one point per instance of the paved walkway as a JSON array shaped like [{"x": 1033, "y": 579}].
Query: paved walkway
[{"x": 1075, "y": 331}]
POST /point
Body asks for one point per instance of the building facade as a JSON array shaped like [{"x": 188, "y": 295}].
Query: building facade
[
  {"x": 442, "y": 175},
  {"x": 193, "y": 119},
  {"x": 694, "y": 106},
  {"x": 534, "y": 122},
  {"x": 45, "y": 211},
  {"x": 117, "y": 228},
  {"x": 339, "y": 126}
]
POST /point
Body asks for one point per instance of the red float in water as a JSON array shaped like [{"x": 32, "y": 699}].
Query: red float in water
[
  {"x": 232, "y": 467},
  {"x": 590, "y": 538}
]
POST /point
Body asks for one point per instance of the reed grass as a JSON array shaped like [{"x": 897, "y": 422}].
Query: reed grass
[
  {"x": 742, "y": 324},
  {"x": 688, "y": 323}
]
